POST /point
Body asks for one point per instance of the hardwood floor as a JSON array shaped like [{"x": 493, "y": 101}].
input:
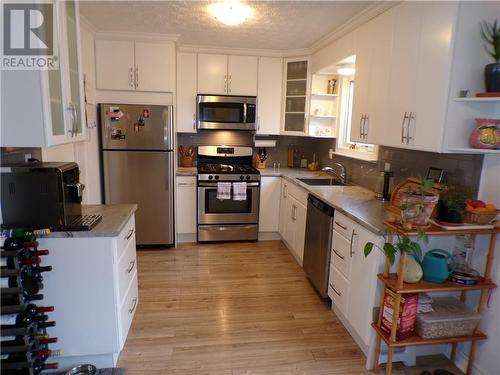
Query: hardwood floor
[{"x": 233, "y": 309}]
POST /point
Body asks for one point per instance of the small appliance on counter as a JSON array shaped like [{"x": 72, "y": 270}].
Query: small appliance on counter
[
  {"x": 44, "y": 195},
  {"x": 384, "y": 184}
]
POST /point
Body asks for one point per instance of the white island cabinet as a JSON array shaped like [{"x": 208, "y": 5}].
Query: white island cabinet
[{"x": 93, "y": 288}]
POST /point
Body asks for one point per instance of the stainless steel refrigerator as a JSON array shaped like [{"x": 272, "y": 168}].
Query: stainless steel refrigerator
[{"x": 137, "y": 161}]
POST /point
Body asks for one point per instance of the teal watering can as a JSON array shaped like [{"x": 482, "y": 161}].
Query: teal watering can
[{"x": 438, "y": 265}]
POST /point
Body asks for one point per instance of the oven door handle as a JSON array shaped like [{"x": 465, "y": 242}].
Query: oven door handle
[
  {"x": 214, "y": 184},
  {"x": 244, "y": 113}
]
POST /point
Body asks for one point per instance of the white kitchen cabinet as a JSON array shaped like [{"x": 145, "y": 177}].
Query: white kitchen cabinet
[
  {"x": 296, "y": 96},
  {"x": 293, "y": 212},
  {"x": 115, "y": 65},
  {"x": 351, "y": 287},
  {"x": 212, "y": 74},
  {"x": 155, "y": 66},
  {"x": 186, "y": 92},
  {"x": 227, "y": 75},
  {"x": 186, "y": 205},
  {"x": 269, "y": 210},
  {"x": 45, "y": 107},
  {"x": 373, "y": 61},
  {"x": 128, "y": 65},
  {"x": 242, "y": 75},
  {"x": 93, "y": 317},
  {"x": 269, "y": 95}
]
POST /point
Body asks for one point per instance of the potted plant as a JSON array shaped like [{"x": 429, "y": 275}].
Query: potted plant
[
  {"x": 403, "y": 244},
  {"x": 417, "y": 203},
  {"x": 451, "y": 204},
  {"x": 491, "y": 35}
]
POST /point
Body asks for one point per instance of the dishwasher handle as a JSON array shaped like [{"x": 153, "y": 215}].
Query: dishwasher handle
[{"x": 320, "y": 205}]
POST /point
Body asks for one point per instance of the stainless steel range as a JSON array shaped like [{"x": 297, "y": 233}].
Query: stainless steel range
[{"x": 233, "y": 216}]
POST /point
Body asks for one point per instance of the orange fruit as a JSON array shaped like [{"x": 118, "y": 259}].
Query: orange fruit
[
  {"x": 491, "y": 207},
  {"x": 480, "y": 209}
]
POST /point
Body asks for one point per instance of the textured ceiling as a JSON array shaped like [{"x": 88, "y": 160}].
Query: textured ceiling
[{"x": 274, "y": 24}]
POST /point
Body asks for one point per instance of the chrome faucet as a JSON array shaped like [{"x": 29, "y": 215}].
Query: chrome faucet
[{"x": 342, "y": 176}]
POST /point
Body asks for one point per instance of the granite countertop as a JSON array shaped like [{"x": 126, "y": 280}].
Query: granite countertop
[
  {"x": 356, "y": 202},
  {"x": 114, "y": 218},
  {"x": 184, "y": 171}
]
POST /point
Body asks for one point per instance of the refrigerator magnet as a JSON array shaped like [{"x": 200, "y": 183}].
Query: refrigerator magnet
[
  {"x": 145, "y": 113},
  {"x": 141, "y": 120},
  {"x": 136, "y": 127},
  {"x": 116, "y": 134}
]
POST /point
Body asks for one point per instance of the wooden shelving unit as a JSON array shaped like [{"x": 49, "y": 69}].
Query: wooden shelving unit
[{"x": 395, "y": 283}]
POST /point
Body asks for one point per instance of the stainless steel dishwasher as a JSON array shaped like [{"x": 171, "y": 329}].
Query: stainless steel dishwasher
[{"x": 318, "y": 243}]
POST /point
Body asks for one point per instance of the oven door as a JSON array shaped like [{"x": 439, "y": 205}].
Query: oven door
[
  {"x": 225, "y": 112},
  {"x": 214, "y": 211}
]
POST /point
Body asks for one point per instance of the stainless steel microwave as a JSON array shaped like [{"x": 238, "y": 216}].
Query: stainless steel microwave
[{"x": 226, "y": 112}]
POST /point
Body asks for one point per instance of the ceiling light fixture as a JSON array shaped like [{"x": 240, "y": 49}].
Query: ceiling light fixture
[{"x": 231, "y": 12}]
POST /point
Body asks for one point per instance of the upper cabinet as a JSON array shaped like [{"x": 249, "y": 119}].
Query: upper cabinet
[
  {"x": 126, "y": 65},
  {"x": 296, "y": 103},
  {"x": 186, "y": 92},
  {"x": 411, "y": 63},
  {"x": 227, "y": 75},
  {"x": 54, "y": 97},
  {"x": 269, "y": 95}
]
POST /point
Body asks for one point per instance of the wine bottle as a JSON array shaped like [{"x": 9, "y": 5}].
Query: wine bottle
[
  {"x": 21, "y": 320},
  {"x": 31, "y": 309},
  {"x": 31, "y": 284},
  {"x": 23, "y": 253},
  {"x": 13, "y": 299},
  {"x": 40, "y": 269},
  {"x": 17, "y": 244},
  {"x": 46, "y": 324},
  {"x": 17, "y": 344},
  {"x": 9, "y": 262}
]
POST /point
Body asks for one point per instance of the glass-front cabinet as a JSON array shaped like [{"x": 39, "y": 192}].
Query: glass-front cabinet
[
  {"x": 296, "y": 103},
  {"x": 46, "y": 106}
]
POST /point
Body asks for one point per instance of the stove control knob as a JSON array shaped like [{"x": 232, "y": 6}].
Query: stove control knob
[
  {"x": 210, "y": 177},
  {"x": 248, "y": 177},
  {"x": 242, "y": 177},
  {"x": 216, "y": 177}
]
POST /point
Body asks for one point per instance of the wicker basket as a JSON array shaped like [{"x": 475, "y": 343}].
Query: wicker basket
[{"x": 481, "y": 218}]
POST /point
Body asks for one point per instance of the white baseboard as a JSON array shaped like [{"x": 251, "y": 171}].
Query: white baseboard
[
  {"x": 186, "y": 237},
  {"x": 269, "y": 236},
  {"x": 461, "y": 361}
]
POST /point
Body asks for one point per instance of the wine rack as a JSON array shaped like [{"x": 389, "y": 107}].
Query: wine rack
[{"x": 24, "y": 345}]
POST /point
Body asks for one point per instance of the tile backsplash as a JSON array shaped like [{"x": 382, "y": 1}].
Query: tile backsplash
[{"x": 460, "y": 169}]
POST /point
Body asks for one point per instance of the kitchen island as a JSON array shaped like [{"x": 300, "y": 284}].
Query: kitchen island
[{"x": 93, "y": 286}]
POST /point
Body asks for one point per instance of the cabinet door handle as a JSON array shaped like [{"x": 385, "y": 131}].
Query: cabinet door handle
[
  {"x": 335, "y": 290},
  {"x": 352, "y": 239},
  {"x": 340, "y": 225},
  {"x": 284, "y": 191},
  {"x": 189, "y": 184},
  {"x": 131, "y": 267},
  {"x": 131, "y": 77},
  {"x": 230, "y": 83},
  {"x": 194, "y": 121},
  {"x": 403, "y": 136},
  {"x": 340, "y": 256},
  {"x": 71, "y": 110},
  {"x": 365, "y": 127},
  {"x": 133, "y": 306},
  {"x": 136, "y": 77},
  {"x": 225, "y": 83},
  {"x": 294, "y": 209},
  {"x": 129, "y": 234},
  {"x": 411, "y": 116},
  {"x": 258, "y": 122},
  {"x": 361, "y": 126}
]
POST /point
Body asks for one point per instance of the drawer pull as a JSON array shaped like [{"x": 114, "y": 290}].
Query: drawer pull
[
  {"x": 335, "y": 290},
  {"x": 340, "y": 225},
  {"x": 134, "y": 305},
  {"x": 352, "y": 239},
  {"x": 132, "y": 264},
  {"x": 340, "y": 256},
  {"x": 130, "y": 233}
]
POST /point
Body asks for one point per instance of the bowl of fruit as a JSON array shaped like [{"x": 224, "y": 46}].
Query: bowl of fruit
[{"x": 479, "y": 212}]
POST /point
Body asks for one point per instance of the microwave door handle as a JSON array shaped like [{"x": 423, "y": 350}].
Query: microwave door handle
[{"x": 244, "y": 113}]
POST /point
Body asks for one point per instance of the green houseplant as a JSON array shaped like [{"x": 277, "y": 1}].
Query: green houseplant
[
  {"x": 451, "y": 204},
  {"x": 417, "y": 203},
  {"x": 403, "y": 244},
  {"x": 490, "y": 33}
]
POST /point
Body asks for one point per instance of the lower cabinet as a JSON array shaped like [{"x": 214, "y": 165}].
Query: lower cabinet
[
  {"x": 292, "y": 225},
  {"x": 93, "y": 287},
  {"x": 186, "y": 206},
  {"x": 269, "y": 209},
  {"x": 351, "y": 286}
]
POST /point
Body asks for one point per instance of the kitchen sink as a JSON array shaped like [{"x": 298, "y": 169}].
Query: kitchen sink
[{"x": 321, "y": 181}]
